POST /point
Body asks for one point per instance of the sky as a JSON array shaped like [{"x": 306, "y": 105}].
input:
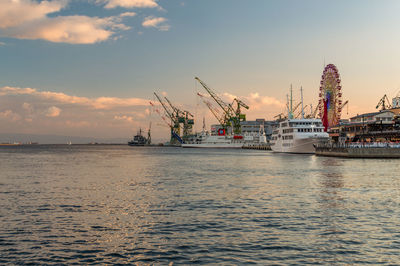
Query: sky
[{"x": 89, "y": 67}]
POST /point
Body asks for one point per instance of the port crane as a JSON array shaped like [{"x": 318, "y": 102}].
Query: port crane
[
  {"x": 185, "y": 118},
  {"x": 314, "y": 114},
  {"x": 384, "y": 103},
  {"x": 300, "y": 112},
  {"x": 231, "y": 116},
  {"x": 174, "y": 125},
  {"x": 343, "y": 105}
]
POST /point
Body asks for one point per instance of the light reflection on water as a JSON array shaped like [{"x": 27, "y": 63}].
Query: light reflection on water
[{"x": 117, "y": 204}]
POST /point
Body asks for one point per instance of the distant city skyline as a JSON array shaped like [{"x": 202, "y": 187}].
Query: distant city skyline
[{"x": 89, "y": 68}]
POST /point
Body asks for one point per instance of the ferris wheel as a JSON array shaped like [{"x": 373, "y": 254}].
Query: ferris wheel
[{"x": 330, "y": 97}]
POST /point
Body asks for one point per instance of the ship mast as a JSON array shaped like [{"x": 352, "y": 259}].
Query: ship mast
[
  {"x": 290, "y": 107},
  {"x": 287, "y": 105},
  {"x": 302, "y": 106}
]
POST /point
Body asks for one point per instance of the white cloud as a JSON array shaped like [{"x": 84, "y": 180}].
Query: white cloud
[
  {"x": 47, "y": 112},
  {"x": 128, "y": 14},
  {"x": 258, "y": 101},
  {"x": 28, "y": 19},
  {"x": 59, "y": 97},
  {"x": 10, "y": 115},
  {"x": 124, "y": 118},
  {"x": 255, "y": 100},
  {"x": 156, "y": 22},
  {"x": 70, "y": 29},
  {"x": 17, "y": 12},
  {"x": 27, "y": 107},
  {"x": 53, "y": 111},
  {"x": 130, "y": 3}
]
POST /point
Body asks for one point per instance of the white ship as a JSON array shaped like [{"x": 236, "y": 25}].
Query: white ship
[
  {"x": 222, "y": 140},
  {"x": 294, "y": 135},
  {"x": 205, "y": 140},
  {"x": 297, "y": 135}
]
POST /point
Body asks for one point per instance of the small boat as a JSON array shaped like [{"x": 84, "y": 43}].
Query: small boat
[{"x": 139, "y": 139}]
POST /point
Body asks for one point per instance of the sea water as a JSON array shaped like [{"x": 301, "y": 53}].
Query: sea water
[{"x": 91, "y": 204}]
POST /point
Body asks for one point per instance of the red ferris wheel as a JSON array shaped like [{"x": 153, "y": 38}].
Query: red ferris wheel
[{"x": 330, "y": 97}]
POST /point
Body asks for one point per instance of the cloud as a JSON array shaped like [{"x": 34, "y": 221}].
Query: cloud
[
  {"x": 130, "y": 3},
  {"x": 255, "y": 100},
  {"x": 27, "y": 107},
  {"x": 47, "y": 112},
  {"x": 53, "y": 111},
  {"x": 16, "y": 91},
  {"x": 128, "y": 14},
  {"x": 17, "y": 12},
  {"x": 70, "y": 29},
  {"x": 156, "y": 22},
  {"x": 258, "y": 101},
  {"x": 59, "y": 97},
  {"x": 28, "y": 19},
  {"x": 124, "y": 118},
  {"x": 10, "y": 115}
]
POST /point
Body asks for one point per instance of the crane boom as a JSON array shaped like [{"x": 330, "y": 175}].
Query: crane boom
[
  {"x": 176, "y": 110},
  {"x": 225, "y": 107},
  {"x": 384, "y": 102},
  {"x": 295, "y": 108},
  {"x": 213, "y": 111},
  {"x": 299, "y": 113},
  {"x": 166, "y": 109},
  {"x": 343, "y": 105},
  {"x": 313, "y": 115},
  {"x": 241, "y": 103},
  {"x": 161, "y": 115}
]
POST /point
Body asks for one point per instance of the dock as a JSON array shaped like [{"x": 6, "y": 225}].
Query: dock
[{"x": 359, "y": 151}]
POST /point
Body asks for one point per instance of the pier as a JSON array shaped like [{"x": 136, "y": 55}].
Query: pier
[{"x": 361, "y": 150}]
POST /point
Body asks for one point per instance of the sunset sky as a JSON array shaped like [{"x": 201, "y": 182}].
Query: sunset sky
[{"x": 89, "y": 67}]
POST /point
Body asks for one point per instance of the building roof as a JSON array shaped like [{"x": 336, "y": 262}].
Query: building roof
[{"x": 370, "y": 114}]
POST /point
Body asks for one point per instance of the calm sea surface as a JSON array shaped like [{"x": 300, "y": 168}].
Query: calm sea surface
[{"x": 153, "y": 205}]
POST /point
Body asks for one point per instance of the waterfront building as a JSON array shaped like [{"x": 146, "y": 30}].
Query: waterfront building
[{"x": 375, "y": 126}]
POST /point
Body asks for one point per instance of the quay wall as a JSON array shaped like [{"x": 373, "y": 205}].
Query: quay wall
[{"x": 351, "y": 152}]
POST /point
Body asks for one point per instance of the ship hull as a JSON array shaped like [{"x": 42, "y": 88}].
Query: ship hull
[
  {"x": 298, "y": 136},
  {"x": 217, "y": 145},
  {"x": 304, "y": 145}
]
